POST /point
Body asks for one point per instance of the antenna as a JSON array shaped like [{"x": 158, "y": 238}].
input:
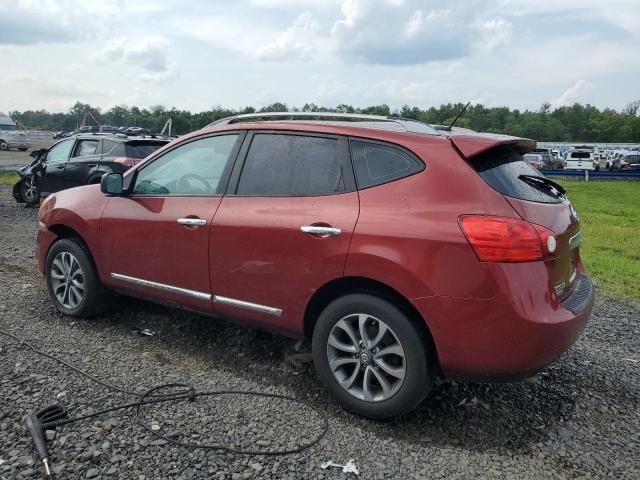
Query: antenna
[{"x": 464, "y": 109}]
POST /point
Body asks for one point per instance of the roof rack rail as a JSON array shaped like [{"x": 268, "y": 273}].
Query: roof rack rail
[{"x": 409, "y": 125}]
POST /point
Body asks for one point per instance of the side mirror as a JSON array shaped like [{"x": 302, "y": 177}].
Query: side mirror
[{"x": 111, "y": 184}]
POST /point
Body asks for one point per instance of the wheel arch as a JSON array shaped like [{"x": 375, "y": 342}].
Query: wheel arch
[
  {"x": 95, "y": 178},
  {"x": 63, "y": 231},
  {"x": 339, "y": 287}
]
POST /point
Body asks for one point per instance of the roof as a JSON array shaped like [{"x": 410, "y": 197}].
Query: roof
[
  {"x": 6, "y": 119},
  {"x": 119, "y": 137},
  {"x": 345, "y": 119}
]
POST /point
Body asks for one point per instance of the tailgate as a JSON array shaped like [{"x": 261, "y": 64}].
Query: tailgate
[{"x": 499, "y": 162}]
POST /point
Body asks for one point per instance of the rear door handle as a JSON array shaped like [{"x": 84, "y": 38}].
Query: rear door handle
[
  {"x": 320, "y": 231},
  {"x": 192, "y": 222}
]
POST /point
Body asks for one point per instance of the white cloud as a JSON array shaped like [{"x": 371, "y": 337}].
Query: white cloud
[
  {"x": 361, "y": 52},
  {"x": 574, "y": 93},
  {"x": 295, "y": 42},
  {"x": 149, "y": 54}
]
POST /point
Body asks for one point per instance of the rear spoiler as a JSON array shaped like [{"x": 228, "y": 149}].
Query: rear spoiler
[{"x": 472, "y": 144}]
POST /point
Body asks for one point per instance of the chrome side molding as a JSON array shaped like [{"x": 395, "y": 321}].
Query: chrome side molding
[
  {"x": 199, "y": 295},
  {"x": 248, "y": 305},
  {"x": 161, "y": 286}
]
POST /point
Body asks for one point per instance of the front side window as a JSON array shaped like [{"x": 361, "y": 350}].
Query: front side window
[
  {"x": 291, "y": 165},
  {"x": 60, "y": 152},
  {"x": 194, "y": 168},
  {"x": 86, "y": 148}
]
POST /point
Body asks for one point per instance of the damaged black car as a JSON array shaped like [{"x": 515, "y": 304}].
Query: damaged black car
[{"x": 80, "y": 160}]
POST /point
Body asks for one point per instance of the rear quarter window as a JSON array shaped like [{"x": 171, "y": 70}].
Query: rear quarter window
[
  {"x": 377, "y": 163},
  {"x": 501, "y": 168},
  {"x": 142, "y": 149}
]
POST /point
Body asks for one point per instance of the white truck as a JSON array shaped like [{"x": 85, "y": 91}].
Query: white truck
[
  {"x": 581, "y": 158},
  {"x": 10, "y": 136}
]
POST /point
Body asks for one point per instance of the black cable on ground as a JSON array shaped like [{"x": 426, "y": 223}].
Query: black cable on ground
[{"x": 186, "y": 392}]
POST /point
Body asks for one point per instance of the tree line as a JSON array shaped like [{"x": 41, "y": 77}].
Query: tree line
[{"x": 575, "y": 123}]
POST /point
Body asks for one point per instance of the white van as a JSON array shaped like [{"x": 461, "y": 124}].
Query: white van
[{"x": 580, "y": 159}]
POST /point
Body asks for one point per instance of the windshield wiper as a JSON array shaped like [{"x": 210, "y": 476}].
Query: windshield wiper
[{"x": 537, "y": 181}]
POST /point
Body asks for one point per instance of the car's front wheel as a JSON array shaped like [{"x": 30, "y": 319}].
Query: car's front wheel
[
  {"x": 29, "y": 191},
  {"x": 72, "y": 280},
  {"x": 371, "y": 357}
]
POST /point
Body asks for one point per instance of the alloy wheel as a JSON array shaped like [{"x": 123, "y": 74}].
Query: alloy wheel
[
  {"x": 366, "y": 357},
  {"x": 67, "y": 280},
  {"x": 30, "y": 190}
]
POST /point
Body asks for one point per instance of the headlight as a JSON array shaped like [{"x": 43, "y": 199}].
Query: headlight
[{"x": 43, "y": 207}]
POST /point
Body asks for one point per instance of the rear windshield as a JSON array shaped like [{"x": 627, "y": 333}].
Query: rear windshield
[
  {"x": 142, "y": 149},
  {"x": 580, "y": 155},
  {"x": 501, "y": 168}
]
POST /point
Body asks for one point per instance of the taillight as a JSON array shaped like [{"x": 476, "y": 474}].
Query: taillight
[
  {"x": 502, "y": 239},
  {"x": 126, "y": 161}
]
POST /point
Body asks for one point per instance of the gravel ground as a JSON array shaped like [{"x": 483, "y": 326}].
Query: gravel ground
[{"x": 581, "y": 420}]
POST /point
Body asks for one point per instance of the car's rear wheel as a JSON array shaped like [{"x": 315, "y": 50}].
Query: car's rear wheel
[
  {"x": 371, "y": 357},
  {"x": 72, "y": 280},
  {"x": 3, "y": 145},
  {"x": 29, "y": 191}
]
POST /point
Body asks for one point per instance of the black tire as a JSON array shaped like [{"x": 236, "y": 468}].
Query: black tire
[
  {"x": 95, "y": 298},
  {"x": 23, "y": 149},
  {"x": 418, "y": 368},
  {"x": 30, "y": 196},
  {"x": 4, "y": 145}
]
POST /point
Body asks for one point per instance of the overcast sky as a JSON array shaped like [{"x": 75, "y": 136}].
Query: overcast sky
[{"x": 200, "y": 53}]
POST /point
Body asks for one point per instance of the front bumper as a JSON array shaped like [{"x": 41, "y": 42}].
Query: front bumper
[
  {"x": 25, "y": 144},
  {"x": 44, "y": 239},
  {"x": 505, "y": 339}
]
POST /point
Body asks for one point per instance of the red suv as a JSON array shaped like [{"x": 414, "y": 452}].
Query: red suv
[{"x": 403, "y": 250}]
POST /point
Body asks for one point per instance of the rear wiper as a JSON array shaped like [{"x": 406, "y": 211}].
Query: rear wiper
[{"x": 535, "y": 180}]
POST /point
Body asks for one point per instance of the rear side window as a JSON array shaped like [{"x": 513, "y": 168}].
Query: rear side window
[
  {"x": 84, "y": 148},
  {"x": 378, "y": 163},
  {"x": 291, "y": 165},
  {"x": 502, "y": 167},
  {"x": 107, "y": 147},
  {"x": 142, "y": 149}
]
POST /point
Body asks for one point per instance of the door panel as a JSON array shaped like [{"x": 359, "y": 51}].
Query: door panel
[
  {"x": 53, "y": 177},
  {"x": 269, "y": 255},
  {"x": 155, "y": 239},
  {"x": 262, "y": 256},
  {"x": 142, "y": 239}
]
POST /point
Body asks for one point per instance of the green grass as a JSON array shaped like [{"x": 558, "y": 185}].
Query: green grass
[
  {"x": 609, "y": 214},
  {"x": 8, "y": 178}
]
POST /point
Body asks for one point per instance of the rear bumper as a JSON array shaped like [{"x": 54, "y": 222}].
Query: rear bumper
[{"x": 504, "y": 339}]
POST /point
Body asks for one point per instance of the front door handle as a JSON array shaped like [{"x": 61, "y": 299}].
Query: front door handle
[
  {"x": 192, "y": 222},
  {"x": 320, "y": 231}
]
